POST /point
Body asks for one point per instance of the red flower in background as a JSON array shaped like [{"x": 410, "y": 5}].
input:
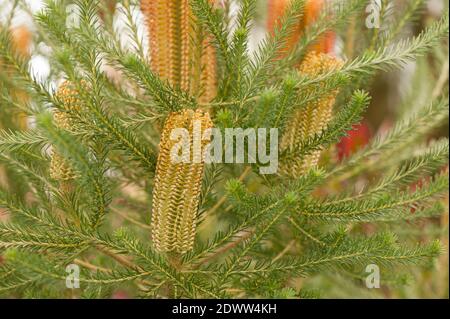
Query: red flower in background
[
  {"x": 356, "y": 138},
  {"x": 120, "y": 294}
]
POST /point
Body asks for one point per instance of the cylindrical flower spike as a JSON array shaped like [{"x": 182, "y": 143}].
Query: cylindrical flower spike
[
  {"x": 60, "y": 169},
  {"x": 276, "y": 10},
  {"x": 21, "y": 37},
  {"x": 21, "y": 40},
  {"x": 178, "y": 182},
  {"x": 180, "y": 51},
  {"x": 208, "y": 65},
  {"x": 311, "y": 12},
  {"x": 311, "y": 118},
  {"x": 67, "y": 93}
]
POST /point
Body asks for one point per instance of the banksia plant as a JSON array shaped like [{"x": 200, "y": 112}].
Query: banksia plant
[
  {"x": 311, "y": 119},
  {"x": 116, "y": 187},
  {"x": 176, "y": 193}
]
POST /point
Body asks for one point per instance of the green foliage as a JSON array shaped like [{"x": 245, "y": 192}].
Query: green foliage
[{"x": 257, "y": 234}]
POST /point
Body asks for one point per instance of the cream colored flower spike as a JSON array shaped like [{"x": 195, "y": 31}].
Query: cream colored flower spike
[
  {"x": 69, "y": 96},
  {"x": 309, "y": 119},
  {"x": 60, "y": 169},
  {"x": 177, "y": 186}
]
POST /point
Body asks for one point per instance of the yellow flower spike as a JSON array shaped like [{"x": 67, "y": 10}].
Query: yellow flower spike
[
  {"x": 180, "y": 52},
  {"x": 60, "y": 169},
  {"x": 310, "y": 119},
  {"x": 69, "y": 96},
  {"x": 177, "y": 185}
]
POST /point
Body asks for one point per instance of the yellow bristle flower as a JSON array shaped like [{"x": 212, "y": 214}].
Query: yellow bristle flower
[
  {"x": 311, "y": 118},
  {"x": 180, "y": 51},
  {"x": 68, "y": 95},
  {"x": 60, "y": 170},
  {"x": 177, "y": 185}
]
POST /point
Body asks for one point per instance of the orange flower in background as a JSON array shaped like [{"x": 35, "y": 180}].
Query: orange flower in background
[
  {"x": 275, "y": 13},
  {"x": 21, "y": 40},
  {"x": 311, "y": 12}
]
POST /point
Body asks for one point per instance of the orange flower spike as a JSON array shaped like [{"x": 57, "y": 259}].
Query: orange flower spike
[
  {"x": 180, "y": 52},
  {"x": 275, "y": 12},
  {"x": 277, "y": 8},
  {"x": 311, "y": 12},
  {"x": 21, "y": 40}
]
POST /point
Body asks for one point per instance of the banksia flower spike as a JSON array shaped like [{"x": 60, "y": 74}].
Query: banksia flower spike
[
  {"x": 311, "y": 12},
  {"x": 60, "y": 169},
  {"x": 178, "y": 182},
  {"x": 180, "y": 51},
  {"x": 311, "y": 118},
  {"x": 21, "y": 41},
  {"x": 276, "y": 10}
]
